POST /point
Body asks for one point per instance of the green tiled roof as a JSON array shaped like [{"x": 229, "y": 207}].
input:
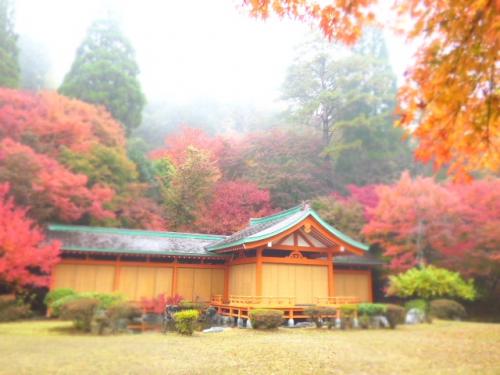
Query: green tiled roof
[
  {"x": 270, "y": 226},
  {"x": 133, "y": 241}
]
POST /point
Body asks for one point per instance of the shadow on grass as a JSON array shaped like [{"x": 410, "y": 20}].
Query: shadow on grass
[{"x": 68, "y": 330}]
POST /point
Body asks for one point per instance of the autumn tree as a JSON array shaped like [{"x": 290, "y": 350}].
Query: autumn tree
[
  {"x": 231, "y": 207},
  {"x": 287, "y": 163},
  {"x": 451, "y": 225},
  {"x": 9, "y": 65},
  {"x": 25, "y": 258},
  {"x": 191, "y": 187},
  {"x": 48, "y": 188},
  {"x": 346, "y": 215},
  {"x": 105, "y": 72},
  {"x": 449, "y": 100},
  {"x": 74, "y": 161},
  {"x": 413, "y": 220}
]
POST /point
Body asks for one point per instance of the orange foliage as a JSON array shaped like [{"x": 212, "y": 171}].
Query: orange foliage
[
  {"x": 48, "y": 122},
  {"x": 450, "y": 100}
]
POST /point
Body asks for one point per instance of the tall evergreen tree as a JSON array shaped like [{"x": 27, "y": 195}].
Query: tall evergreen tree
[
  {"x": 9, "y": 65},
  {"x": 105, "y": 72},
  {"x": 351, "y": 100}
]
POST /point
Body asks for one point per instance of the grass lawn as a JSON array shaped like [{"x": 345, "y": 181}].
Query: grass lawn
[{"x": 50, "y": 347}]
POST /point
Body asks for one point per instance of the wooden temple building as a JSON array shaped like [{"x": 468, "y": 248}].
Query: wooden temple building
[{"x": 286, "y": 261}]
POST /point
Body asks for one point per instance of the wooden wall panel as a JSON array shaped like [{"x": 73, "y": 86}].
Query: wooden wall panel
[
  {"x": 357, "y": 284},
  {"x": 104, "y": 278},
  {"x": 199, "y": 284},
  {"x": 242, "y": 280},
  {"x": 163, "y": 282},
  {"x": 64, "y": 276},
  {"x": 85, "y": 278},
  {"x": 304, "y": 282},
  {"x": 136, "y": 282},
  {"x": 128, "y": 282}
]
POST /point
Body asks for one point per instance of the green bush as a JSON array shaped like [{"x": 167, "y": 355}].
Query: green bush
[
  {"x": 418, "y": 304},
  {"x": 12, "y": 308},
  {"x": 187, "y": 305},
  {"x": 365, "y": 321},
  {"x": 57, "y": 294},
  {"x": 317, "y": 314},
  {"x": 121, "y": 314},
  {"x": 185, "y": 321},
  {"x": 81, "y": 311},
  {"x": 266, "y": 318},
  {"x": 371, "y": 309},
  {"x": 447, "y": 309},
  {"x": 395, "y": 314},
  {"x": 347, "y": 311},
  {"x": 105, "y": 300},
  {"x": 431, "y": 282}
]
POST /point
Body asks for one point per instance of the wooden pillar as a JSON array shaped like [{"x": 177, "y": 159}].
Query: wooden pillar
[
  {"x": 258, "y": 274},
  {"x": 331, "y": 280},
  {"x": 225, "y": 297},
  {"x": 118, "y": 268},
  {"x": 174, "y": 277}
]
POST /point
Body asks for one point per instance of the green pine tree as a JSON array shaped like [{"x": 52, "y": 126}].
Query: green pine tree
[
  {"x": 9, "y": 65},
  {"x": 105, "y": 72}
]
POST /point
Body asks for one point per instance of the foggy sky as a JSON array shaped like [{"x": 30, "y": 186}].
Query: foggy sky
[{"x": 185, "y": 49}]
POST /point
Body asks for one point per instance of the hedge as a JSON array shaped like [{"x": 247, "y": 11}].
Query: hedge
[{"x": 266, "y": 318}]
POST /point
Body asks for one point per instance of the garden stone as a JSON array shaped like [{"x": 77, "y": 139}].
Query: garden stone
[
  {"x": 380, "y": 321},
  {"x": 304, "y": 325},
  {"x": 415, "y": 316},
  {"x": 213, "y": 330}
]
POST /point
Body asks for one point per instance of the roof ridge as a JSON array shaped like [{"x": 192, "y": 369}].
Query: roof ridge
[
  {"x": 127, "y": 231},
  {"x": 278, "y": 215}
]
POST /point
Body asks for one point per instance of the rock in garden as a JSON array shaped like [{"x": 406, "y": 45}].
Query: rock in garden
[
  {"x": 415, "y": 316},
  {"x": 213, "y": 330}
]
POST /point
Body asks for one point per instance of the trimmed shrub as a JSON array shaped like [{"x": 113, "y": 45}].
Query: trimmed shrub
[
  {"x": 347, "y": 315},
  {"x": 116, "y": 318},
  {"x": 121, "y": 314},
  {"x": 317, "y": 314},
  {"x": 81, "y": 311},
  {"x": 395, "y": 314},
  {"x": 365, "y": 321},
  {"x": 266, "y": 318},
  {"x": 57, "y": 294},
  {"x": 12, "y": 309},
  {"x": 185, "y": 321},
  {"x": 419, "y": 304},
  {"x": 105, "y": 300},
  {"x": 348, "y": 311},
  {"x": 371, "y": 309},
  {"x": 447, "y": 309},
  {"x": 189, "y": 305}
]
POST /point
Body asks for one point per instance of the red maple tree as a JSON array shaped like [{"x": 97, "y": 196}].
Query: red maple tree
[
  {"x": 25, "y": 258},
  {"x": 233, "y": 204}
]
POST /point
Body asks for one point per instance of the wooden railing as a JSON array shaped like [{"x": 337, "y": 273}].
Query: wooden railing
[
  {"x": 253, "y": 300},
  {"x": 279, "y": 301},
  {"x": 339, "y": 300}
]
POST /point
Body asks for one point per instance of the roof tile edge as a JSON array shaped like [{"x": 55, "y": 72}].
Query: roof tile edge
[{"x": 132, "y": 232}]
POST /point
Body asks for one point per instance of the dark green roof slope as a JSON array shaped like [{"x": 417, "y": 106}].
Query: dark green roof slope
[
  {"x": 272, "y": 225},
  {"x": 130, "y": 241}
]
